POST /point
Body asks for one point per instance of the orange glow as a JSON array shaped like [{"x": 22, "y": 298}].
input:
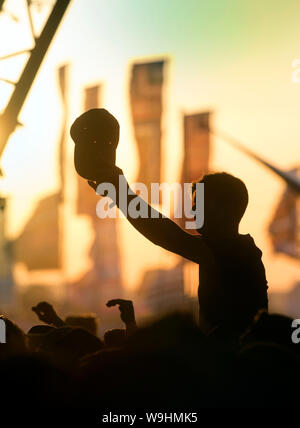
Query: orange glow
[{"x": 247, "y": 85}]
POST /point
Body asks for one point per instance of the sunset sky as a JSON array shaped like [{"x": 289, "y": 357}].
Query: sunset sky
[{"x": 232, "y": 57}]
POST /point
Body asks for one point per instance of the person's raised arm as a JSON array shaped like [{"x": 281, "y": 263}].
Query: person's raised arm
[
  {"x": 157, "y": 228},
  {"x": 126, "y": 312},
  {"x": 47, "y": 314}
]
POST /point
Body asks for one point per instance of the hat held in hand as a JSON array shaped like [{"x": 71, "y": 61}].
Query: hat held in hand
[{"x": 96, "y": 136}]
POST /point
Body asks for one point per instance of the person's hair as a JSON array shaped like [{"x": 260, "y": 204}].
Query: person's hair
[{"x": 228, "y": 191}]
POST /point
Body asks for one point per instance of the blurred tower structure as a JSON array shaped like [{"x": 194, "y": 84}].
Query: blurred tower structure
[
  {"x": 146, "y": 103},
  {"x": 8, "y": 122},
  {"x": 103, "y": 281},
  {"x": 39, "y": 246},
  {"x": 165, "y": 290},
  {"x": 6, "y": 260},
  {"x": 196, "y": 146},
  {"x": 196, "y": 153},
  {"x": 196, "y": 158},
  {"x": 284, "y": 228}
]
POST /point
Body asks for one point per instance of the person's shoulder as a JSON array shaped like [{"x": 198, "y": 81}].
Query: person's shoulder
[
  {"x": 247, "y": 239},
  {"x": 194, "y": 247},
  {"x": 235, "y": 246},
  {"x": 248, "y": 243}
]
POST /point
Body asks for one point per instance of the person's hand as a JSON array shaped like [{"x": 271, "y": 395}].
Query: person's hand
[
  {"x": 126, "y": 309},
  {"x": 47, "y": 314},
  {"x": 109, "y": 174}
]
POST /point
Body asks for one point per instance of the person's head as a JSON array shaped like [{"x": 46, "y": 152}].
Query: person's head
[
  {"x": 225, "y": 201},
  {"x": 36, "y": 336},
  {"x": 115, "y": 338},
  {"x": 67, "y": 345},
  {"x": 270, "y": 328},
  {"x": 86, "y": 321}
]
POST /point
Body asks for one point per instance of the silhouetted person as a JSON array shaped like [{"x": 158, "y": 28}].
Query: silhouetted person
[
  {"x": 117, "y": 336},
  {"x": 270, "y": 328},
  {"x": 126, "y": 313},
  {"x": 232, "y": 282},
  {"x": 47, "y": 314},
  {"x": 87, "y": 322}
]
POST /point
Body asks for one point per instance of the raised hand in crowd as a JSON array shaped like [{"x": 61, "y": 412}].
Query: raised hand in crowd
[
  {"x": 47, "y": 314},
  {"x": 127, "y": 312}
]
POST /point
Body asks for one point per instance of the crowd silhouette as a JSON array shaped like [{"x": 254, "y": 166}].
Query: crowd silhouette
[
  {"x": 168, "y": 364},
  {"x": 237, "y": 355}
]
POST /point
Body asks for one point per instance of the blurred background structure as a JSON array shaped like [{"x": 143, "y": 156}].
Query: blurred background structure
[{"x": 172, "y": 73}]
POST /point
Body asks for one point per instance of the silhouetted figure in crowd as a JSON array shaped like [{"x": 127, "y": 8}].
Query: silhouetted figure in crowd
[
  {"x": 117, "y": 336},
  {"x": 36, "y": 336},
  {"x": 271, "y": 328},
  {"x": 232, "y": 282},
  {"x": 126, "y": 313},
  {"x": 47, "y": 314},
  {"x": 114, "y": 338},
  {"x": 87, "y": 322}
]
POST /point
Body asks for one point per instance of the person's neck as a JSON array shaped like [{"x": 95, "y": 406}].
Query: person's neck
[{"x": 221, "y": 233}]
